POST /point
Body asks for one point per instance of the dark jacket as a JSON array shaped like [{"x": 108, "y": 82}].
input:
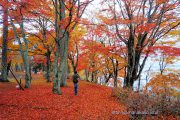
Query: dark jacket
[{"x": 75, "y": 78}]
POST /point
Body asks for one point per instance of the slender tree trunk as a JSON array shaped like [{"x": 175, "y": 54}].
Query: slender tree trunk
[
  {"x": 139, "y": 83},
  {"x": 92, "y": 76},
  {"x": 95, "y": 77},
  {"x": 115, "y": 78},
  {"x": 30, "y": 71},
  {"x": 4, "y": 45},
  {"x": 115, "y": 71},
  {"x": 87, "y": 74},
  {"x": 48, "y": 64},
  {"x": 8, "y": 67},
  {"x": 69, "y": 70}
]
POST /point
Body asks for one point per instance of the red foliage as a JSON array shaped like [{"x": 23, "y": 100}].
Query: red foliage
[
  {"x": 168, "y": 50},
  {"x": 92, "y": 102},
  {"x": 144, "y": 28},
  {"x": 39, "y": 59}
]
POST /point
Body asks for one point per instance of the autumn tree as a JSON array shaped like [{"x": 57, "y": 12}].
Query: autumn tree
[
  {"x": 139, "y": 24},
  {"x": 44, "y": 19},
  {"x": 91, "y": 57},
  {"x": 76, "y": 38},
  {"x": 19, "y": 14},
  {"x": 43, "y": 45},
  {"x": 43, "y": 42},
  {"x": 67, "y": 15},
  {"x": 100, "y": 53}
]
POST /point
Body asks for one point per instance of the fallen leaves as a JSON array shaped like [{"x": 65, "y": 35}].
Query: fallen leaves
[{"x": 93, "y": 102}]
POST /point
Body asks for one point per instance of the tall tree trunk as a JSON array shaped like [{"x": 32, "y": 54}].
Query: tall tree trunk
[
  {"x": 115, "y": 71},
  {"x": 129, "y": 79},
  {"x": 69, "y": 70},
  {"x": 64, "y": 54},
  {"x": 64, "y": 75},
  {"x": 48, "y": 64},
  {"x": 58, "y": 16},
  {"x": 4, "y": 44},
  {"x": 8, "y": 67},
  {"x": 92, "y": 76},
  {"x": 27, "y": 70},
  {"x": 56, "y": 81},
  {"x": 132, "y": 67},
  {"x": 23, "y": 51},
  {"x": 64, "y": 51},
  {"x": 87, "y": 74},
  {"x": 25, "y": 57},
  {"x": 60, "y": 69}
]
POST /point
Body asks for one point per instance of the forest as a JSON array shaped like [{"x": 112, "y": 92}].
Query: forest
[{"x": 126, "y": 54}]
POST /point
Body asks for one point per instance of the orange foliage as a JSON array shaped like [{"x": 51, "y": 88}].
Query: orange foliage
[
  {"x": 162, "y": 84},
  {"x": 161, "y": 1}
]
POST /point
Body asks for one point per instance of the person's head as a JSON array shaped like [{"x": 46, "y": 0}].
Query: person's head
[{"x": 75, "y": 72}]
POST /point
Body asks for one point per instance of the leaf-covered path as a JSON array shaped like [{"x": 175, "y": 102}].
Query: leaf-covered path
[{"x": 94, "y": 102}]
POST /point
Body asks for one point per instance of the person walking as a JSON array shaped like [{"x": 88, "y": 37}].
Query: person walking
[{"x": 76, "y": 78}]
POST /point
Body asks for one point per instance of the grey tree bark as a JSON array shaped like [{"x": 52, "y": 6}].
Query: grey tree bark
[
  {"x": 23, "y": 51},
  {"x": 4, "y": 45},
  {"x": 63, "y": 53},
  {"x": 48, "y": 64}
]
